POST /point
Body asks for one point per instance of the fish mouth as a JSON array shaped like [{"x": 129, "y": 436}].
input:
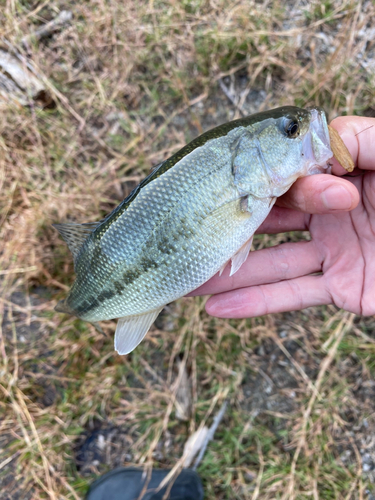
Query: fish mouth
[{"x": 316, "y": 148}]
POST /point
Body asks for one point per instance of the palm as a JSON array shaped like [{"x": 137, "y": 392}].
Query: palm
[{"x": 345, "y": 242}]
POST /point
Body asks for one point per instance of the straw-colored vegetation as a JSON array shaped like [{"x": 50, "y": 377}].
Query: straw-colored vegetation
[{"x": 131, "y": 82}]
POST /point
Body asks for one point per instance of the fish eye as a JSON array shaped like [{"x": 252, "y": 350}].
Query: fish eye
[{"x": 291, "y": 128}]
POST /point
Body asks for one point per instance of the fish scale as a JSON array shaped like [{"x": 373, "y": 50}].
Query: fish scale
[
  {"x": 158, "y": 209},
  {"x": 189, "y": 217}
]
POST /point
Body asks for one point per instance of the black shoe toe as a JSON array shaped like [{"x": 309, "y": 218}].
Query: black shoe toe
[{"x": 127, "y": 484}]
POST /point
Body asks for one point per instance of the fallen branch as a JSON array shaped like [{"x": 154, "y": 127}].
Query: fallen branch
[
  {"x": 231, "y": 97},
  {"x": 48, "y": 29},
  {"x": 19, "y": 80}
]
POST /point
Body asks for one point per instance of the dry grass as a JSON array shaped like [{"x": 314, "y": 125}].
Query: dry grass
[{"x": 133, "y": 82}]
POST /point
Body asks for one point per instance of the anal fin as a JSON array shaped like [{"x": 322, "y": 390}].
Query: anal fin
[
  {"x": 131, "y": 330},
  {"x": 240, "y": 256}
]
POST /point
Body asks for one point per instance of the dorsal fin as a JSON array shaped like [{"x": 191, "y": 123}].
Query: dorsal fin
[
  {"x": 155, "y": 167},
  {"x": 76, "y": 234}
]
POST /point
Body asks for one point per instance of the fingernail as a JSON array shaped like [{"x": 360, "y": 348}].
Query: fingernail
[{"x": 337, "y": 198}]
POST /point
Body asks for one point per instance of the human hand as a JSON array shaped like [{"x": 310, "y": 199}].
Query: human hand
[{"x": 342, "y": 246}]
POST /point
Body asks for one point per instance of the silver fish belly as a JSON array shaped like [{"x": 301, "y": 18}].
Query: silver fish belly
[{"x": 189, "y": 218}]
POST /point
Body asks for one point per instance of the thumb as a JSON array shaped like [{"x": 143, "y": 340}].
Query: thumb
[{"x": 320, "y": 194}]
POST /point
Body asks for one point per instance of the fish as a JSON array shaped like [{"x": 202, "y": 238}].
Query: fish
[{"x": 194, "y": 213}]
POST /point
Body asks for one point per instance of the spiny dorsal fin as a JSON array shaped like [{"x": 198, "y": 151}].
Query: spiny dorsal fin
[
  {"x": 75, "y": 234},
  {"x": 155, "y": 167}
]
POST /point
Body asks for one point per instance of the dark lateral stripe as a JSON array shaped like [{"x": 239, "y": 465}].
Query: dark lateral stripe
[{"x": 199, "y": 141}]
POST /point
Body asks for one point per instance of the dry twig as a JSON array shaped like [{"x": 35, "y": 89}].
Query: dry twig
[{"x": 64, "y": 17}]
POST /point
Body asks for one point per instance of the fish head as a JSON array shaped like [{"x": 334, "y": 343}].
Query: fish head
[{"x": 288, "y": 143}]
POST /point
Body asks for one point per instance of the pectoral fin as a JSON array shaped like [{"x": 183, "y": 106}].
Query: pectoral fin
[
  {"x": 240, "y": 256},
  {"x": 131, "y": 330}
]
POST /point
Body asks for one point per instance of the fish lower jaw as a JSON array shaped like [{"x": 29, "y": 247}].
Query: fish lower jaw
[
  {"x": 316, "y": 149},
  {"x": 316, "y": 168}
]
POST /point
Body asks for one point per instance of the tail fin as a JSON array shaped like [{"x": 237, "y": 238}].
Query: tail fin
[{"x": 63, "y": 307}]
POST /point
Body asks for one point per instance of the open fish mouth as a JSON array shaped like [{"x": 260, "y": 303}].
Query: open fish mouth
[{"x": 316, "y": 148}]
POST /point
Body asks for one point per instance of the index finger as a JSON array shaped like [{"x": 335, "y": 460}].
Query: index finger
[{"x": 358, "y": 134}]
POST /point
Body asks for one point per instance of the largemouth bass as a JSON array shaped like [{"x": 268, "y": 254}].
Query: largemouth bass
[{"x": 195, "y": 212}]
